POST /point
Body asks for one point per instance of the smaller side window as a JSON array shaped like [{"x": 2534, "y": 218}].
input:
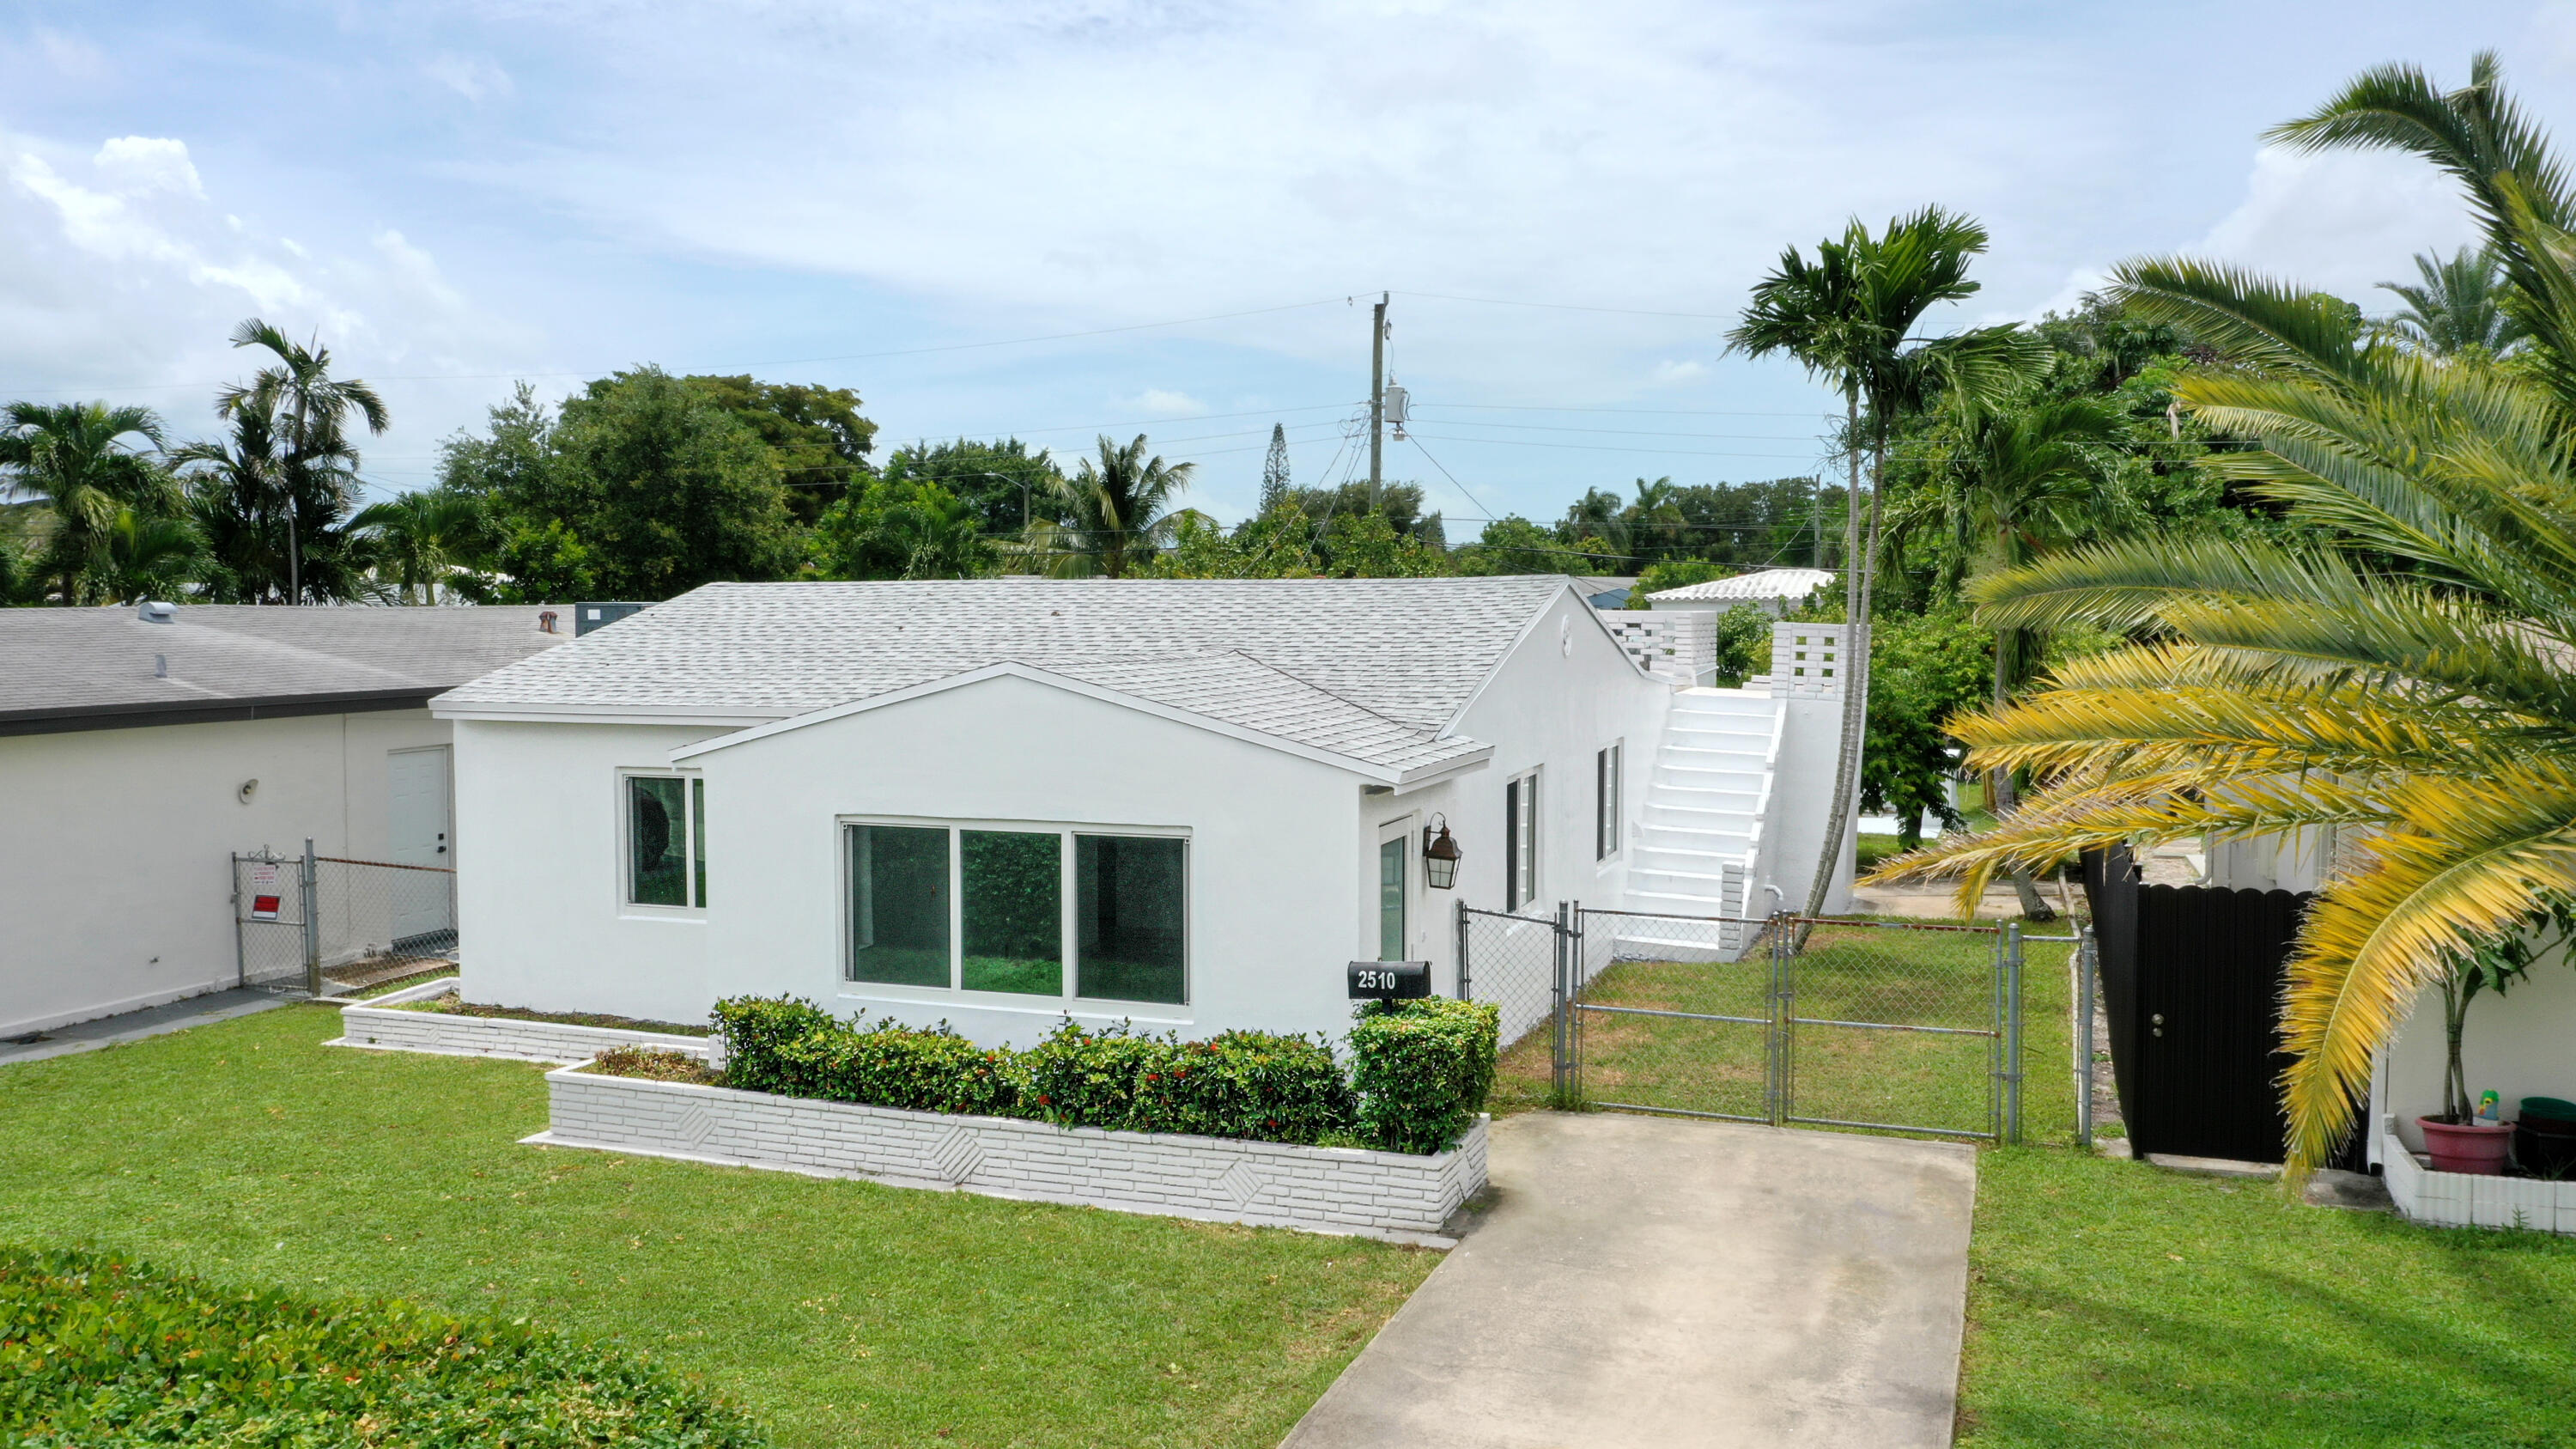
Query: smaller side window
[
  {"x": 1520, "y": 841},
  {"x": 665, "y": 841},
  {"x": 1607, "y": 785}
]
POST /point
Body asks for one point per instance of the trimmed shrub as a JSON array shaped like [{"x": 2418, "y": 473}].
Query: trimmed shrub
[
  {"x": 97, "y": 1349},
  {"x": 893, "y": 1065},
  {"x": 756, "y": 1029},
  {"x": 1246, "y": 1084},
  {"x": 1084, "y": 1078},
  {"x": 655, "y": 1064},
  {"x": 1422, "y": 1069}
]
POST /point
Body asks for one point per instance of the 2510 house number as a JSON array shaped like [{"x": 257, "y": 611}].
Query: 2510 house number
[{"x": 1390, "y": 980}]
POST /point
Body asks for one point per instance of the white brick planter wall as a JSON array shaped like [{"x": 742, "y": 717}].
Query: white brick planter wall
[
  {"x": 2463, "y": 1200},
  {"x": 379, "y": 1026},
  {"x": 1328, "y": 1189}
]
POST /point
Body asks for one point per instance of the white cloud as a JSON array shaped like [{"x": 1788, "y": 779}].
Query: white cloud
[
  {"x": 1164, "y": 403},
  {"x": 139, "y": 165},
  {"x": 2340, "y": 221},
  {"x": 1670, "y": 373},
  {"x": 474, "y": 77}
]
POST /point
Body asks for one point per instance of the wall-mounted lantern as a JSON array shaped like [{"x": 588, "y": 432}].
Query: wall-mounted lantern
[{"x": 1439, "y": 854}]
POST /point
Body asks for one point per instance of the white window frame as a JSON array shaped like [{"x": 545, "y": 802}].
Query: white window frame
[
  {"x": 955, "y": 991},
  {"x": 692, "y": 787},
  {"x": 1403, "y": 833},
  {"x": 1609, "y": 806},
  {"x": 1524, "y": 805}
]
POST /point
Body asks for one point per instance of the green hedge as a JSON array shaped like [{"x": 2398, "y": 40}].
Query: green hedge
[
  {"x": 1422, "y": 1069},
  {"x": 98, "y": 1350},
  {"x": 1403, "y": 1090}
]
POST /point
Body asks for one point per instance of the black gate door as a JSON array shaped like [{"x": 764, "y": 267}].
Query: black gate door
[{"x": 2191, "y": 983}]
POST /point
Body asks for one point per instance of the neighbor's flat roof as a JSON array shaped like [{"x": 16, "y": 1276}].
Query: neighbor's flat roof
[{"x": 73, "y": 669}]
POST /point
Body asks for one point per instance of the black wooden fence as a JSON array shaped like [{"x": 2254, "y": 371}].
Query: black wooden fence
[{"x": 2191, "y": 989}]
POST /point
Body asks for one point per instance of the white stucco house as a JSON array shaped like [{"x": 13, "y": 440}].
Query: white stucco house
[
  {"x": 1000, "y": 802},
  {"x": 141, "y": 748},
  {"x": 1774, "y": 591}
]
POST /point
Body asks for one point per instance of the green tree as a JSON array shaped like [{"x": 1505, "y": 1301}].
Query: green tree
[
  {"x": 2456, "y": 305},
  {"x": 1514, "y": 545},
  {"x": 1114, "y": 514},
  {"x": 532, "y": 505},
  {"x": 1367, "y": 546},
  {"x": 816, "y": 433},
  {"x": 1280, "y": 544},
  {"x": 1399, "y": 503},
  {"x": 425, "y": 541},
  {"x": 1009, "y": 486},
  {"x": 672, "y": 491},
  {"x": 237, "y": 496},
  {"x": 91, "y": 464},
  {"x": 147, "y": 556},
  {"x": 1850, "y": 316},
  {"x": 1930, "y": 667},
  {"x": 902, "y": 529},
  {"x": 2405, "y": 683},
  {"x": 308, "y": 412},
  {"x": 1274, "y": 469}
]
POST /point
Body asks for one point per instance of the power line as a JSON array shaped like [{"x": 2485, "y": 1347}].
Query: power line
[{"x": 1573, "y": 307}]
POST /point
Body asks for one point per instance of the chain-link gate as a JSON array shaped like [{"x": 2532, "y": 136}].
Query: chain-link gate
[
  {"x": 320, "y": 923},
  {"x": 1887, "y": 1026}
]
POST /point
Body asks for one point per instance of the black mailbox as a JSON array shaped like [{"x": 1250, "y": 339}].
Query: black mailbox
[{"x": 1390, "y": 980}]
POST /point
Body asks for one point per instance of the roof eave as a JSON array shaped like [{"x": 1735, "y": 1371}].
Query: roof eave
[{"x": 68, "y": 719}]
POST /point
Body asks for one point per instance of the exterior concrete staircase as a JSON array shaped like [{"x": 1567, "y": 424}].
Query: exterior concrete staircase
[{"x": 1699, "y": 845}]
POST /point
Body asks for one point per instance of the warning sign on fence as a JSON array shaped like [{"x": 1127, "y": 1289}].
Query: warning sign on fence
[{"x": 263, "y": 892}]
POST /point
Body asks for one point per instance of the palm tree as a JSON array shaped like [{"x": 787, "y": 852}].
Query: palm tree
[
  {"x": 422, "y": 539},
  {"x": 1849, "y": 317},
  {"x": 1117, "y": 513},
  {"x": 83, "y": 459},
  {"x": 309, "y": 410},
  {"x": 2459, "y": 306},
  {"x": 146, "y": 557},
  {"x": 2411, "y": 687},
  {"x": 237, "y": 494}
]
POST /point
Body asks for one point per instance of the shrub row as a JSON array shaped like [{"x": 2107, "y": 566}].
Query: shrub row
[
  {"x": 1419, "y": 1073},
  {"x": 97, "y": 1350}
]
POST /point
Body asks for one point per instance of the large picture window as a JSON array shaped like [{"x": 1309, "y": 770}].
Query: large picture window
[
  {"x": 666, "y": 840},
  {"x": 1021, "y": 911}
]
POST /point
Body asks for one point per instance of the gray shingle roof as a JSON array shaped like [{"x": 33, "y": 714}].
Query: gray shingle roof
[
  {"x": 72, "y": 668},
  {"x": 1371, "y": 669}
]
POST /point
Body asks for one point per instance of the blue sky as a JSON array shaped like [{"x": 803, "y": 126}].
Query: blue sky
[{"x": 458, "y": 195}]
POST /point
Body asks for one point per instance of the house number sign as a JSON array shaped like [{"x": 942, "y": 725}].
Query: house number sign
[{"x": 1390, "y": 980}]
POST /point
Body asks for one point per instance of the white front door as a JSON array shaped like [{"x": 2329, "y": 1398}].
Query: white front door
[{"x": 417, "y": 833}]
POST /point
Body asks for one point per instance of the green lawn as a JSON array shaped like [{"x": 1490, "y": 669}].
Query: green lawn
[
  {"x": 839, "y": 1312},
  {"x": 2114, "y": 1303}
]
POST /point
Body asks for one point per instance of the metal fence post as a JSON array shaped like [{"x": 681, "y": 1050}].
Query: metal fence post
[
  {"x": 241, "y": 952},
  {"x": 2012, "y": 1031},
  {"x": 1775, "y": 1085},
  {"x": 1463, "y": 994},
  {"x": 306, "y": 880},
  {"x": 1557, "y": 1013},
  {"x": 2084, "y": 1038}
]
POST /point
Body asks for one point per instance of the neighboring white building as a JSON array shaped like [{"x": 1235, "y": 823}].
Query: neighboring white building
[
  {"x": 139, "y": 749},
  {"x": 998, "y": 802},
  {"x": 1775, "y": 591}
]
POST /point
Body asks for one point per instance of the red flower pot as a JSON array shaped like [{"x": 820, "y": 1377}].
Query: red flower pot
[{"x": 2474, "y": 1147}]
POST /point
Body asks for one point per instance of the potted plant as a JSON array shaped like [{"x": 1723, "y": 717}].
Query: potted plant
[{"x": 2456, "y": 1139}]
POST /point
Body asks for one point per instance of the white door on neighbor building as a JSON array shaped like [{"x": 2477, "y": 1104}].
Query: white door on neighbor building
[{"x": 418, "y": 832}]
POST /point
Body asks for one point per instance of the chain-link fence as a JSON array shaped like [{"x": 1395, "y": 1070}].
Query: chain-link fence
[
  {"x": 1672, "y": 1014},
  {"x": 320, "y": 923},
  {"x": 1898, "y": 1026},
  {"x": 1511, "y": 961}
]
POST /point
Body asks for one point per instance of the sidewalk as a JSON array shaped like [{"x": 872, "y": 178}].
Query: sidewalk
[{"x": 62, "y": 1041}]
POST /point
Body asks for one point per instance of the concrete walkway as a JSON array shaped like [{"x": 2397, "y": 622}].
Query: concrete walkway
[
  {"x": 62, "y": 1041},
  {"x": 1646, "y": 1281}
]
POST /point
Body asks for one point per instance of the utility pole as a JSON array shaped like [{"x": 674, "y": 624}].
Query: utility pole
[{"x": 1377, "y": 402}]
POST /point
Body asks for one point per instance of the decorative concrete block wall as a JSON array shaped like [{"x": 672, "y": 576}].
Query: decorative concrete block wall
[
  {"x": 380, "y": 1025},
  {"x": 2463, "y": 1200},
  {"x": 1679, "y": 645},
  {"x": 1807, "y": 660},
  {"x": 1275, "y": 1184}
]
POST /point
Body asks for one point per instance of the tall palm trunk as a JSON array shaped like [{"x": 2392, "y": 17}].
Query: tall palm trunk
[{"x": 1856, "y": 591}]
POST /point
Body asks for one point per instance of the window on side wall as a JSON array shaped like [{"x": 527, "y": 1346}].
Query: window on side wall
[
  {"x": 987, "y": 909},
  {"x": 1607, "y": 785},
  {"x": 666, "y": 841},
  {"x": 1520, "y": 841}
]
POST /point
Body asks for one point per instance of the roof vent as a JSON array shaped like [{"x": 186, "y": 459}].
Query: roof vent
[{"x": 153, "y": 611}]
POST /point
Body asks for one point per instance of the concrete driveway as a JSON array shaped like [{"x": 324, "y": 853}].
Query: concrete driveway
[{"x": 1645, "y": 1281}]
